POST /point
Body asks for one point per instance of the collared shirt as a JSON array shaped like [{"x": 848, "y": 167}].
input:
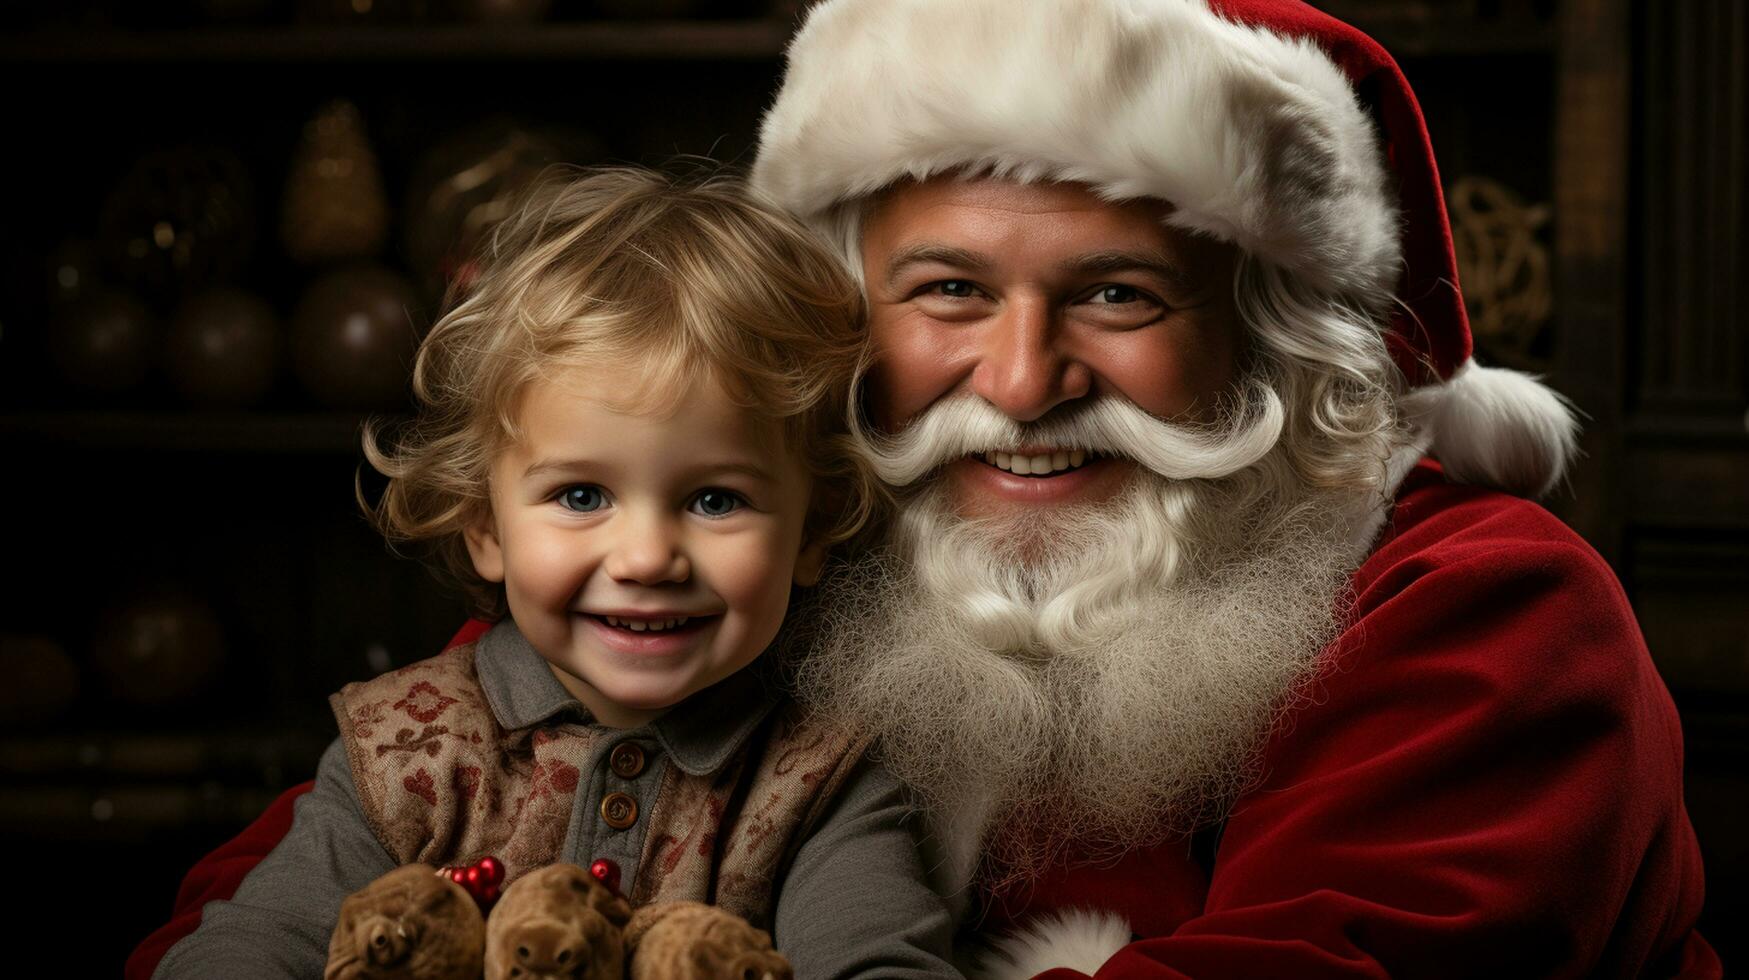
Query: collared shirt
[
  {"x": 699, "y": 736},
  {"x": 856, "y": 901}
]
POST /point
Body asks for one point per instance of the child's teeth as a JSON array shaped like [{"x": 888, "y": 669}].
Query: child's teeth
[{"x": 646, "y": 625}]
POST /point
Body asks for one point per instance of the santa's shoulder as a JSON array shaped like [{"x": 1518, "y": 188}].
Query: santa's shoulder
[
  {"x": 1438, "y": 525},
  {"x": 1467, "y": 582}
]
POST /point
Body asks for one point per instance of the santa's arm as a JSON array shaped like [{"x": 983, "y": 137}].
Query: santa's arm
[{"x": 1487, "y": 782}]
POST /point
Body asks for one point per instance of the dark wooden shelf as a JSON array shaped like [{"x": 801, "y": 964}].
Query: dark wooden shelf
[
  {"x": 185, "y": 431},
  {"x": 601, "y": 40},
  {"x": 237, "y": 756}
]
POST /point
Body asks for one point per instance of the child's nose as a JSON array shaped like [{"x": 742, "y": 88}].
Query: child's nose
[{"x": 647, "y": 552}]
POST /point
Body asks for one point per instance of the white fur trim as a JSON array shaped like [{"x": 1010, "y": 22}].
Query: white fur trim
[
  {"x": 1368, "y": 512},
  {"x": 1255, "y": 138},
  {"x": 1080, "y": 939},
  {"x": 1498, "y": 428}
]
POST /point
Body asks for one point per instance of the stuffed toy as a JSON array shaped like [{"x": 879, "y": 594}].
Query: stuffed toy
[
  {"x": 420, "y": 923},
  {"x": 694, "y": 941},
  {"x": 410, "y": 924},
  {"x": 560, "y": 921}
]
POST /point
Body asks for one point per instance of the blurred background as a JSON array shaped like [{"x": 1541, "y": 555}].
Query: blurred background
[{"x": 231, "y": 220}]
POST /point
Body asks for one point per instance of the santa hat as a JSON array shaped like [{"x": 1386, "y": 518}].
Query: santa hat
[{"x": 1265, "y": 123}]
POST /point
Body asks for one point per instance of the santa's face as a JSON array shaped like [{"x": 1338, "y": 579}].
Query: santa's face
[{"x": 1034, "y": 296}]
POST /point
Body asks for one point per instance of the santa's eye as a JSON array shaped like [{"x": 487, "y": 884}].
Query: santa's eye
[
  {"x": 1117, "y": 294},
  {"x": 717, "y": 502},
  {"x": 956, "y": 288},
  {"x": 582, "y": 499}
]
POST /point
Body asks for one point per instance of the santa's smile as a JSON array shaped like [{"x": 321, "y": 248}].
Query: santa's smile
[
  {"x": 991, "y": 482},
  {"x": 1037, "y": 463}
]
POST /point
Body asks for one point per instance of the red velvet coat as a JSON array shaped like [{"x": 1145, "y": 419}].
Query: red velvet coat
[{"x": 1488, "y": 783}]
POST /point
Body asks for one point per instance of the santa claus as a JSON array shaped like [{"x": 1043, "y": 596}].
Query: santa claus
[
  {"x": 1202, "y": 664},
  {"x": 1216, "y": 624}
]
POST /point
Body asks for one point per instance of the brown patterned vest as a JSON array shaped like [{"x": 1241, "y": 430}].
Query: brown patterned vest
[{"x": 442, "y": 783}]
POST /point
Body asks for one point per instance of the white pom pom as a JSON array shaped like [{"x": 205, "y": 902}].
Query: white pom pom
[
  {"x": 1498, "y": 428},
  {"x": 1080, "y": 939}
]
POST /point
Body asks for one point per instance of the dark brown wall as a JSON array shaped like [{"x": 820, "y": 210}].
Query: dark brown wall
[{"x": 1627, "y": 120}]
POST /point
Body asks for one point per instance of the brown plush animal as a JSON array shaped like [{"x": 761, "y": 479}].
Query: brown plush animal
[
  {"x": 693, "y": 941},
  {"x": 558, "y": 922},
  {"x": 410, "y": 924}
]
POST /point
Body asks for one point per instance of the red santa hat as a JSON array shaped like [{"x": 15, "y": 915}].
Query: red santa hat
[{"x": 1265, "y": 123}]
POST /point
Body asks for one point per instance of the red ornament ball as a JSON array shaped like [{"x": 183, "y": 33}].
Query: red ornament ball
[
  {"x": 606, "y": 871},
  {"x": 490, "y": 870}
]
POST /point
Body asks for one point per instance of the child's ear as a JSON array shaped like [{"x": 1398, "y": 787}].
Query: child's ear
[
  {"x": 810, "y": 561},
  {"x": 483, "y": 548}
]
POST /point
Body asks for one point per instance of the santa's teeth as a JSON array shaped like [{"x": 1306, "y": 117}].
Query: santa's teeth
[{"x": 1039, "y": 464}]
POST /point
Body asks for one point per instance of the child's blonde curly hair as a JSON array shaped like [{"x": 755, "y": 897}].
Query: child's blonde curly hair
[{"x": 677, "y": 281}]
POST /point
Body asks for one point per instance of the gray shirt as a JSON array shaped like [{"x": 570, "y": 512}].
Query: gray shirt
[{"x": 856, "y": 902}]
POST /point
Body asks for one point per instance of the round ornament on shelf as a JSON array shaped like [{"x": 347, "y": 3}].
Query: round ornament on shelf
[
  {"x": 162, "y": 647},
  {"x": 352, "y": 338},
  {"x": 74, "y": 269},
  {"x": 104, "y": 341},
  {"x": 334, "y": 204},
  {"x": 223, "y": 349},
  {"x": 42, "y": 682},
  {"x": 178, "y": 220},
  {"x": 468, "y": 183}
]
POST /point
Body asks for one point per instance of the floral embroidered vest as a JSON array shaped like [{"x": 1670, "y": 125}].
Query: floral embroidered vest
[{"x": 442, "y": 783}]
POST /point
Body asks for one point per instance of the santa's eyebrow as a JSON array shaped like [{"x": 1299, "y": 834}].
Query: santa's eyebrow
[
  {"x": 929, "y": 252},
  {"x": 1154, "y": 263}
]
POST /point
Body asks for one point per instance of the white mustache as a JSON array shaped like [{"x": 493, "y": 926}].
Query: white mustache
[{"x": 968, "y": 425}]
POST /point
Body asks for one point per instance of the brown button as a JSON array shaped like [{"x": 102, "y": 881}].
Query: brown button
[
  {"x": 619, "y": 810},
  {"x": 627, "y": 760}
]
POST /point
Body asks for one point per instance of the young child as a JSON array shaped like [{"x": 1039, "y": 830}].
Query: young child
[{"x": 627, "y": 450}]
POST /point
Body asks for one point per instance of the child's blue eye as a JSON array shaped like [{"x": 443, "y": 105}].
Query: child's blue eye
[
  {"x": 582, "y": 499},
  {"x": 717, "y": 503}
]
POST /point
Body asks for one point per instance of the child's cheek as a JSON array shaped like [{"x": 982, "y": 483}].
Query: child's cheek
[{"x": 550, "y": 566}]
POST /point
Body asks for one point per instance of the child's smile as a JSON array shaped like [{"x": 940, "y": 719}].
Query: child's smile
[{"x": 646, "y": 555}]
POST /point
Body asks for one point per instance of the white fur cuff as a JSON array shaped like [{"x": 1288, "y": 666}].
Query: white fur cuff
[{"x": 1080, "y": 939}]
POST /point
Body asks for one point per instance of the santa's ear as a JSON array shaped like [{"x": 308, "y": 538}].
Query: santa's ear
[{"x": 484, "y": 547}]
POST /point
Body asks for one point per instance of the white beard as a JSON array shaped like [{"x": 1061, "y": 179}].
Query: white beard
[{"x": 1097, "y": 675}]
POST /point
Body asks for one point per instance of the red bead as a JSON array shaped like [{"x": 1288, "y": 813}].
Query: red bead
[
  {"x": 607, "y": 872},
  {"x": 459, "y": 876},
  {"x": 475, "y": 879},
  {"x": 490, "y": 869},
  {"x": 489, "y": 895}
]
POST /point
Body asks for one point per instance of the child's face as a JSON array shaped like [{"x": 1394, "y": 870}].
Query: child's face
[{"x": 607, "y": 524}]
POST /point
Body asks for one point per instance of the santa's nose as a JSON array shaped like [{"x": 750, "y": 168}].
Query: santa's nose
[{"x": 1025, "y": 367}]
